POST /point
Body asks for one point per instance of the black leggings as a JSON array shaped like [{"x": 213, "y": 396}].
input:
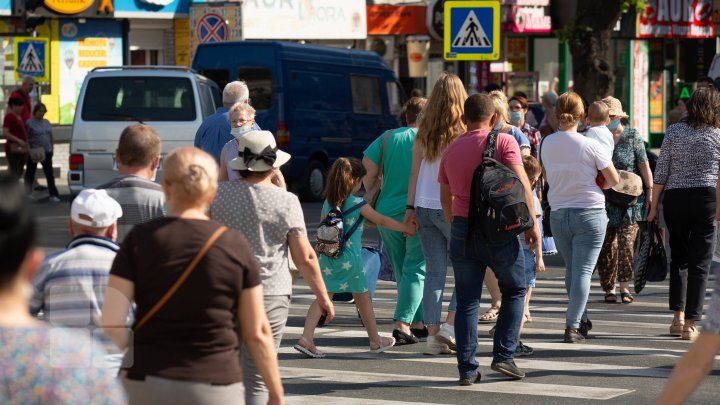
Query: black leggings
[
  {"x": 47, "y": 169},
  {"x": 690, "y": 218}
]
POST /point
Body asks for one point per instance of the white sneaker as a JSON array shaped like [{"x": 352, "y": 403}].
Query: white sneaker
[
  {"x": 54, "y": 199},
  {"x": 447, "y": 336},
  {"x": 434, "y": 347}
]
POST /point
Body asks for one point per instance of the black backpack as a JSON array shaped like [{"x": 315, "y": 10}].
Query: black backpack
[
  {"x": 331, "y": 237},
  {"x": 498, "y": 210}
]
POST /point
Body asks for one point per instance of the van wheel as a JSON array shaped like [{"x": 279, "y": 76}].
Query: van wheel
[{"x": 314, "y": 183}]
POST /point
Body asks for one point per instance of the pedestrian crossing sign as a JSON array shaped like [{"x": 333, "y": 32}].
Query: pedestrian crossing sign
[
  {"x": 472, "y": 30},
  {"x": 31, "y": 58}
]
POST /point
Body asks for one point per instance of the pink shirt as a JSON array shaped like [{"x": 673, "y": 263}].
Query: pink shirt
[{"x": 464, "y": 155}]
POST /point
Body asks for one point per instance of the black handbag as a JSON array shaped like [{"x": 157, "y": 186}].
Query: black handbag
[
  {"x": 657, "y": 264},
  {"x": 640, "y": 258},
  {"x": 545, "y": 204}
]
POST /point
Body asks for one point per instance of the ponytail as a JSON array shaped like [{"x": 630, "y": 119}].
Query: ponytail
[{"x": 341, "y": 180}]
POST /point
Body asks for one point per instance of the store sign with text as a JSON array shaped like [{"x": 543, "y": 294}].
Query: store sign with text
[
  {"x": 676, "y": 18},
  {"x": 527, "y": 19},
  {"x": 304, "y": 19}
]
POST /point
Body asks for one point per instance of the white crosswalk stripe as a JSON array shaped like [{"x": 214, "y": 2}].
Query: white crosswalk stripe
[{"x": 627, "y": 342}]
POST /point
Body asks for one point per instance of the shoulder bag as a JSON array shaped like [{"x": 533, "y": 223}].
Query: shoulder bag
[
  {"x": 371, "y": 195},
  {"x": 545, "y": 204},
  {"x": 179, "y": 282}
]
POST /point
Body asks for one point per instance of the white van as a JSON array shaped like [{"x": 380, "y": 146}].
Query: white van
[{"x": 173, "y": 100}]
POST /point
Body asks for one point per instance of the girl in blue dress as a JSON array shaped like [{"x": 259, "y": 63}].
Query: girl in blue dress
[{"x": 345, "y": 273}]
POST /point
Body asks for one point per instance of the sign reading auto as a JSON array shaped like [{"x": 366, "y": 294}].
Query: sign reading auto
[{"x": 676, "y": 18}]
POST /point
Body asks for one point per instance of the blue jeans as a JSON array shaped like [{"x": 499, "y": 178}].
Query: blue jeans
[
  {"x": 434, "y": 238},
  {"x": 579, "y": 234},
  {"x": 470, "y": 256}
]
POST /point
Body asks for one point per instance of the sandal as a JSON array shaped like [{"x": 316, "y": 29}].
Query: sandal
[
  {"x": 490, "y": 315},
  {"x": 626, "y": 297},
  {"x": 308, "y": 349},
  {"x": 610, "y": 298},
  {"x": 676, "y": 328},
  {"x": 381, "y": 348},
  {"x": 689, "y": 332},
  {"x": 528, "y": 318}
]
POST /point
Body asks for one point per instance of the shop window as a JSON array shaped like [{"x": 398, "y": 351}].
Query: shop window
[
  {"x": 259, "y": 81},
  {"x": 139, "y": 99},
  {"x": 366, "y": 95}
]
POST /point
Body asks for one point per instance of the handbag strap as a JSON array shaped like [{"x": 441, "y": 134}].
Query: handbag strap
[
  {"x": 382, "y": 152},
  {"x": 179, "y": 282}
]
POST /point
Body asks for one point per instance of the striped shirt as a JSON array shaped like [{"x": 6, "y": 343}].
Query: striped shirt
[
  {"x": 69, "y": 286},
  {"x": 141, "y": 200},
  {"x": 689, "y": 158}
]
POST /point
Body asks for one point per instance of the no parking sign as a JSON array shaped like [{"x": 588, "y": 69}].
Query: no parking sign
[{"x": 212, "y": 28}]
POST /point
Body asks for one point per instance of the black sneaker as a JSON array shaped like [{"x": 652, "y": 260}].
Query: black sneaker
[
  {"x": 465, "y": 381},
  {"x": 419, "y": 333},
  {"x": 508, "y": 368},
  {"x": 573, "y": 336},
  {"x": 522, "y": 350},
  {"x": 585, "y": 327},
  {"x": 402, "y": 338}
]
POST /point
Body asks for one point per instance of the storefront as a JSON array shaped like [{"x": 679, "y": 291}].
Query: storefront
[{"x": 82, "y": 35}]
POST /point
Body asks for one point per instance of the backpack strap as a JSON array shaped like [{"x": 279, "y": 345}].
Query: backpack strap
[
  {"x": 489, "y": 152},
  {"x": 354, "y": 227},
  {"x": 490, "y": 145}
]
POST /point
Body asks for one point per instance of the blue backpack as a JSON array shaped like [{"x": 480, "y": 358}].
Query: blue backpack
[{"x": 331, "y": 237}]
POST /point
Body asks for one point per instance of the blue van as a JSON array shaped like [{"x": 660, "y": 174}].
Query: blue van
[{"x": 320, "y": 102}]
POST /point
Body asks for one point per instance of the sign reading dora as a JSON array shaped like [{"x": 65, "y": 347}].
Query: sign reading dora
[{"x": 75, "y": 7}]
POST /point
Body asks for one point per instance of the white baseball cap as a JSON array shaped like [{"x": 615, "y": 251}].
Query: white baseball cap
[{"x": 95, "y": 208}]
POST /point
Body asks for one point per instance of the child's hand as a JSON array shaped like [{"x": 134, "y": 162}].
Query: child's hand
[
  {"x": 539, "y": 264},
  {"x": 410, "y": 229}
]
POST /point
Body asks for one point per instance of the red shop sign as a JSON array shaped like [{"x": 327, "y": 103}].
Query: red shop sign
[{"x": 676, "y": 18}]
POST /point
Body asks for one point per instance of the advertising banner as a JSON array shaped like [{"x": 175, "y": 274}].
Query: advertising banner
[
  {"x": 304, "y": 19},
  {"x": 84, "y": 46},
  {"x": 676, "y": 19},
  {"x": 639, "y": 114},
  {"x": 396, "y": 20}
]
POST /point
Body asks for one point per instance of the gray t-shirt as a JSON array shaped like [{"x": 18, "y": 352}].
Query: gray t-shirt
[
  {"x": 39, "y": 134},
  {"x": 141, "y": 200},
  {"x": 267, "y": 216}
]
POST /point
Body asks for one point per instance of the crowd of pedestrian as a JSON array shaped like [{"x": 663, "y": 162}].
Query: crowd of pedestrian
[{"x": 189, "y": 280}]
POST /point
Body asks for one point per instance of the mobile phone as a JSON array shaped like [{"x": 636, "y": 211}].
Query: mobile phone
[{"x": 321, "y": 322}]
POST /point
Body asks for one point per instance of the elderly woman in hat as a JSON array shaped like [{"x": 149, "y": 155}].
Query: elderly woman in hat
[
  {"x": 272, "y": 220},
  {"x": 616, "y": 256}
]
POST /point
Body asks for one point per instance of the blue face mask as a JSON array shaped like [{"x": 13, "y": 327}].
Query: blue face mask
[
  {"x": 515, "y": 117},
  {"x": 612, "y": 126},
  {"x": 581, "y": 125},
  {"x": 498, "y": 126},
  {"x": 240, "y": 132}
]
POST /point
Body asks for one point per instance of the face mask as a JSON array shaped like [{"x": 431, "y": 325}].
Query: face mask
[
  {"x": 240, "y": 132},
  {"x": 498, "y": 126},
  {"x": 581, "y": 125},
  {"x": 612, "y": 126},
  {"x": 515, "y": 117}
]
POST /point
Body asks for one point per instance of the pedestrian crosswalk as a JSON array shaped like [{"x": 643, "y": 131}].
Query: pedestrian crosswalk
[{"x": 628, "y": 357}]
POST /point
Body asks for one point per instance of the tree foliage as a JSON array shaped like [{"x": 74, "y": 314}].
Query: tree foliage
[{"x": 589, "y": 37}]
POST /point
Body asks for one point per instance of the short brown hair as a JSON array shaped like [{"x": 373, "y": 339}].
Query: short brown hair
[
  {"x": 413, "y": 107},
  {"x": 532, "y": 167},
  {"x": 139, "y": 144},
  {"x": 37, "y": 108},
  {"x": 478, "y": 107},
  {"x": 702, "y": 108}
]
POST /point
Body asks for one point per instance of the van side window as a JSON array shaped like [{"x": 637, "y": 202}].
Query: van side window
[
  {"x": 259, "y": 81},
  {"x": 136, "y": 98},
  {"x": 366, "y": 95},
  {"x": 219, "y": 76},
  {"x": 396, "y": 97},
  {"x": 206, "y": 100},
  {"x": 320, "y": 91}
]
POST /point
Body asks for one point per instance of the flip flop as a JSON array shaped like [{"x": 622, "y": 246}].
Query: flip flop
[
  {"x": 383, "y": 348},
  {"x": 610, "y": 298},
  {"x": 308, "y": 351},
  {"x": 490, "y": 315}
]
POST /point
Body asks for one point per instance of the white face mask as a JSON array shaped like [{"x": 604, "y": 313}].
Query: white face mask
[{"x": 240, "y": 131}]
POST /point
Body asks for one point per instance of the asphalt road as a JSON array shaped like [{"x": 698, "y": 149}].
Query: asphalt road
[{"x": 627, "y": 359}]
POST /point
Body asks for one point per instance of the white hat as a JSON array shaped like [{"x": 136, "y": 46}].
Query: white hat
[
  {"x": 95, "y": 208},
  {"x": 258, "y": 152}
]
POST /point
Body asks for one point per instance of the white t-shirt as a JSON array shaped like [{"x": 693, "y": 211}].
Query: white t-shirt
[
  {"x": 602, "y": 134},
  {"x": 571, "y": 162},
  {"x": 427, "y": 191}
]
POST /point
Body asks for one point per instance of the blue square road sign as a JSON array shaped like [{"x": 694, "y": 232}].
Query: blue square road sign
[{"x": 472, "y": 30}]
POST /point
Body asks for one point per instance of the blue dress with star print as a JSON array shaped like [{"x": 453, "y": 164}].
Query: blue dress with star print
[{"x": 345, "y": 274}]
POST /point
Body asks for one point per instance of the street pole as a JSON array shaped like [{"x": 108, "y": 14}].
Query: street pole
[{"x": 563, "y": 72}]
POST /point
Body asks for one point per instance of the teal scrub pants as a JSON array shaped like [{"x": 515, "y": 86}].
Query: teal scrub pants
[{"x": 408, "y": 261}]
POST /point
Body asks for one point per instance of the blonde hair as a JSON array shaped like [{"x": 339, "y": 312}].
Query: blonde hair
[
  {"x": 598, "y": 113},
  {"x": 441, "y": 120},
  {"x": 569, "y": 109},
  {"x": 500, "y": 101},
  {"x": 191, "y": 176},
  {"x": 341, "y": 179},
  {"x": 242, "y": 107}
]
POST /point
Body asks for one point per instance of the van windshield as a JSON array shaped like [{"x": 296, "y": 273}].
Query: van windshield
[
  {"x": 139, "y": 98},
  {"x": 259, "y": 82}
]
